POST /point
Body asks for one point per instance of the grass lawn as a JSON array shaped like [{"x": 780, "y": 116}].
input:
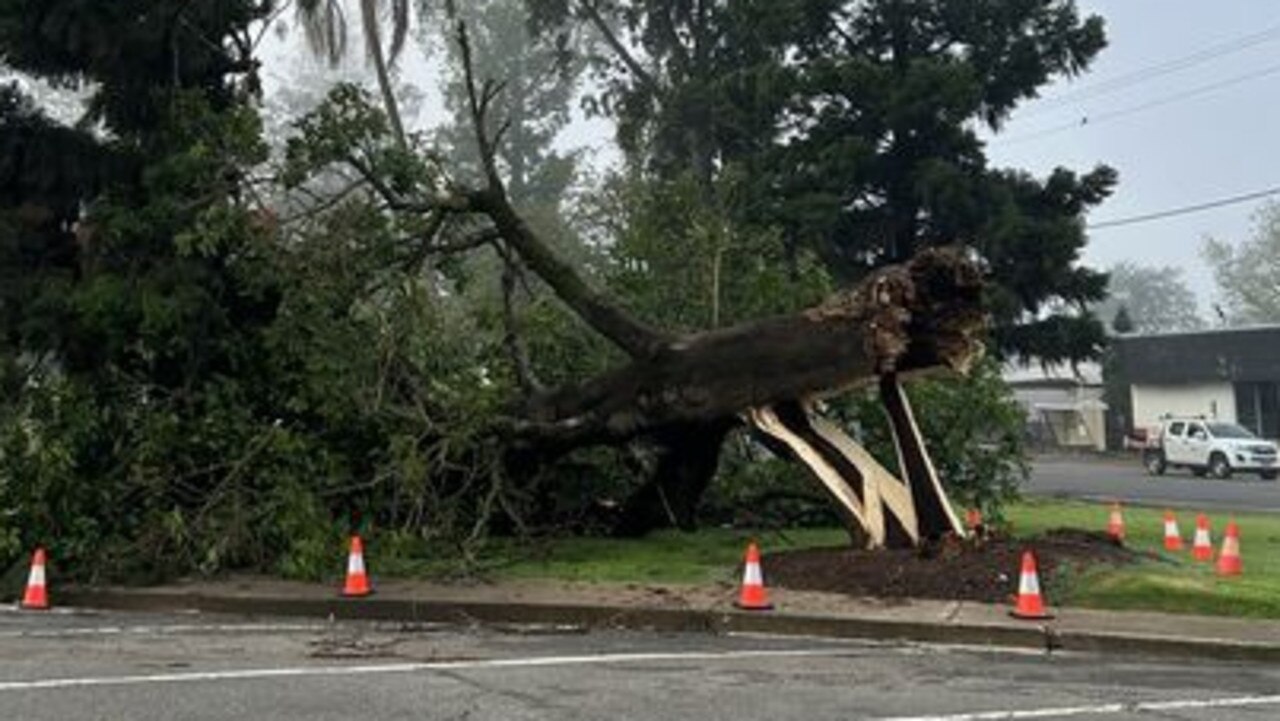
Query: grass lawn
[
  {"x": 709, "y": 555},
  {"x": 1175, "y": 582}
]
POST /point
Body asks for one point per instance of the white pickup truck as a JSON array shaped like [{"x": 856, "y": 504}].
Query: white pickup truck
[{"x": 1208, "y": 446}]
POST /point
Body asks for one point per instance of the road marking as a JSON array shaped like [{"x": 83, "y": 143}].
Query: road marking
[
  {"x": 900, "y": 646},
  {"x": 395, "y": 668},
  {"x": 1098, "y": 710}
]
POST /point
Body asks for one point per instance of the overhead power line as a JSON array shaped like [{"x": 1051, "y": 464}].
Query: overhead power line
[
  {"x": 1184, "y": 210},
  {"x": 1089, "y": 120},
  {"x": 1142, "y": 75}
]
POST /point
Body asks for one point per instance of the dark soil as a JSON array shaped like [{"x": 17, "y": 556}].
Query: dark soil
[{"x": 978, "y": 570}]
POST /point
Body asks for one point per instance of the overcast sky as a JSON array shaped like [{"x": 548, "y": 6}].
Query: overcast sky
[{"x": 1214, "y": 138}]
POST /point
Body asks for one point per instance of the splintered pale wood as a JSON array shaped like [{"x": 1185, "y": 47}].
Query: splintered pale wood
[
  {"x": 880, "y": 484},
  {"x": 861, "y": 487},
  {"x": 837, "y": 485}
]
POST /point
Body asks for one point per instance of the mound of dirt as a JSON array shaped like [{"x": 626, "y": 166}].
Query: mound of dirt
[{"x": 979, "y": 570}]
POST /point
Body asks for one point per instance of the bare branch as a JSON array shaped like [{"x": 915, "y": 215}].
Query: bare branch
[
  {"x": 634, "y": 337},
  {"x": 478, "y": 100}
]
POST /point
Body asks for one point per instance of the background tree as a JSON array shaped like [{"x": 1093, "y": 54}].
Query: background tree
[
  {"x": 1155, "y": 299},
  {"x": 130, "y": 332},
  {"x": 1246, "y": 274},
  {"x": 856, "y": 123},
  {"x": 1121, "y": 322}
]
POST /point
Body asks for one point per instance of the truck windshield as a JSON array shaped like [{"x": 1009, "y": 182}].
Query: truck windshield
[{"x": 1229, "y": 430}]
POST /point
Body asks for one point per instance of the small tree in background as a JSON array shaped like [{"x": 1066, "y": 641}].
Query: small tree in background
[
  {"x": 1247, "y": 273},
  {"x": 1155, "y": 299},
  {"x": 1122, "y": 323}
]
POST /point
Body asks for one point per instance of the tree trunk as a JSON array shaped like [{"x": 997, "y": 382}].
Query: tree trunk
[
  {"x": 687, "y": 460},
  {"x": 902, "y": 320}
]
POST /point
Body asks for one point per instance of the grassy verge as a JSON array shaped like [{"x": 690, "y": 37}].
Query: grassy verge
[
  {"x": 1173, "y": 583},
  {"x": 669, "y": 557},
  {"x": 666, "y": 557}
]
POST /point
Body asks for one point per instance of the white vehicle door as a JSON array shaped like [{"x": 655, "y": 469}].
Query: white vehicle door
[
  {"x": 1196, "y": 445},
  {"x": 1173, "y": 449}
]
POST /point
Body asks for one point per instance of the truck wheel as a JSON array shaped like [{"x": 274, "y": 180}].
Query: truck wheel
[
  {"x": 1218, "y": 466},
  {"x": 1267, "y": 475},
  {"x": 1154, "y": 461}
]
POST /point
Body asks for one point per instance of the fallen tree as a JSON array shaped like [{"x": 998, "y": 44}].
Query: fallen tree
[
  {"x": 683, "y": 393},
  {"x": 902, "y": 321}
]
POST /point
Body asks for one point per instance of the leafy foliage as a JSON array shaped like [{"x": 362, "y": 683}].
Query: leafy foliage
[
  {"x": 974, "y": 429},
  {"x": 685, "y": 264}
]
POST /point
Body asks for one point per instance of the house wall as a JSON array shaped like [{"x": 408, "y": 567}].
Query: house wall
[
  {"x": 1213, "y": 400},
  {"x": 1046, "y": 408}
]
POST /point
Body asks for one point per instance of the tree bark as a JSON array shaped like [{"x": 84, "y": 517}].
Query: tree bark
[{"x": 903, "y": 320}]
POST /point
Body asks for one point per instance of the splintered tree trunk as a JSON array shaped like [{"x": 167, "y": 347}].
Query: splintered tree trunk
[
  {"x": 901, "y": 321},
  {"x": 934, "y": 514},
  {"x": 877, "y": 508}
]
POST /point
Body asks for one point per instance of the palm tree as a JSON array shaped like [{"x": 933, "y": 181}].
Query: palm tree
[{"x": 325, "y": 24}]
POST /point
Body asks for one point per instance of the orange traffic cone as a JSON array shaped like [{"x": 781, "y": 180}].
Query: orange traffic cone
[
  {"x": 1172, "y": 536},
  {"x": 753, "y": 596},
  {"x": 1030, "y": 604},
  {"x": 1115, "y": 524},
  {"x": 1202, "y": 548},
  {"x": 36, "y": 597},
  {"x": 1229, "y": 563},
  {"x": 357, "y": 580}
]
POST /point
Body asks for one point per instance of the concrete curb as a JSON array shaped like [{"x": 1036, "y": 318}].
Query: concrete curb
[{"x": 1030, "y": 636}]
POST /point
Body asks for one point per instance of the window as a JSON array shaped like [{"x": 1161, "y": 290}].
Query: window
[
  {"x": 1229, "y": 430},
  {"x": 1195, "y": 430},
  {"x": 1258, "y": 408},
  {"x": 1176, "y": 429}
]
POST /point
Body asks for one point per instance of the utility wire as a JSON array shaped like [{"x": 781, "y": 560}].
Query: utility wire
[
  {"x": 1088, "y": 120},
  {"x": 1155, "y": 71},
  {"x": 1184, "y": 210}
]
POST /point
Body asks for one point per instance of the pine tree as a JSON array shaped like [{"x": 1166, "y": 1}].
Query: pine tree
[{"x": 1122, "y": 323}]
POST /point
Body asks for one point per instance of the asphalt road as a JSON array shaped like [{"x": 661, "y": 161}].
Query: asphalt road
[
  {"x": 1107, "y": 480},
  {"x": 113, "y": 667}
]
